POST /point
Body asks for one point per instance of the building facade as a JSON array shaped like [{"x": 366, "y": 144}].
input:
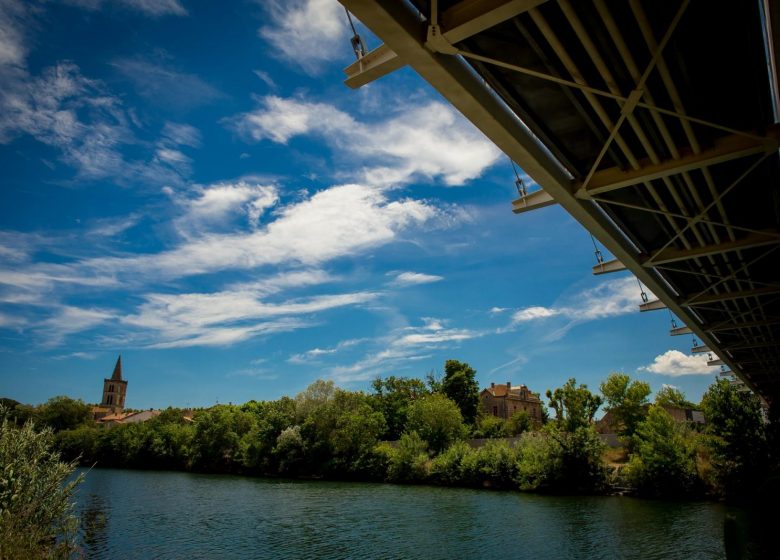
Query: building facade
[
  {"x": 114, "y": 393},
  {"x": 505, "y": 400}
]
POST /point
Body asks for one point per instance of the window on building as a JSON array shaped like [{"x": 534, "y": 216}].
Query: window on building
[
  {"x": 110, "y": 399},
  {"x": 495, "y": 411},
  {"x": 110, "y": 388}
]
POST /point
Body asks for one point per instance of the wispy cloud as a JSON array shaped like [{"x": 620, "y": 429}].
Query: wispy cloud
[
  {"x": 429, "y": 141},
  {"x": 675, "y": 364},
  {"x": 13, "y": 20},
  {"x": 336, "y": 222},
  {"x": 227, "y": 317},
  {"x": 69, "y": 319},
  {"x": 159, "y": 82},
  {"x": 407, "y": 344},
  {"x": 314, "y": 355},
  {"x": 153, "y": 8},
  {"x": 412, "y": 278},
  {"x": 297, "y": 39},
  {"x": 89, "y": 127},
  {"x": 608, "y": 299}
]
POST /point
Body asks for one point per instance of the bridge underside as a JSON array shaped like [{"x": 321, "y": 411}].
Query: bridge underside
[{"x": 652, "y": 122}]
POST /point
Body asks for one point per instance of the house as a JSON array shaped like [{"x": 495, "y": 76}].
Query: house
[
  {"x": 505, "y": 400},
  {"x": 607, "y": 424}
]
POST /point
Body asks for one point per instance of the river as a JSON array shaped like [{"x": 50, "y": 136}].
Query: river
[{"x": 150, "y": 515}]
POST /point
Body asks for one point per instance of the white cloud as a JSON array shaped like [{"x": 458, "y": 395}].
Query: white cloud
[
  {"x": 182, "y": 134},
  {"x": 608, "y": 299},
  {"x": 412, "y": 278},
  {"x": 308, "y": 33},
  {"x": 336, "y": 222},
  {"x": 69, "y": 319},
  {"x": 314, "y": 354},
  {"x": 13, "y": 50},
  {"x": 227, "y": 317},
  {"x": 426, "y": 141},
  {"x": 674, "y": 363},
  {"x": 212, "y": 206},
  {"x": 153, "y": 8},
  {"x": 76, "y": 115},
  {"x": 532, "y": 313},
  {"x": 11, "y": 321},
  {"x": 403, "y": 345}
]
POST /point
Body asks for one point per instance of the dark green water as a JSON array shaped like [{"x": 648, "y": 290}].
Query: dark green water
[{"x": 138, "y": 514}]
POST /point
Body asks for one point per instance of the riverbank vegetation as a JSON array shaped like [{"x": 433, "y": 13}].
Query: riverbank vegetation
[
  {"x": 36, "y": 487},
  {"x": 408, "y": 430}
]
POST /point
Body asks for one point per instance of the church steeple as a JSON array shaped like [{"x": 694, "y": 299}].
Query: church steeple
[
  {"x": 117, "y": 375},
  {"x": 115, "y": 388}
]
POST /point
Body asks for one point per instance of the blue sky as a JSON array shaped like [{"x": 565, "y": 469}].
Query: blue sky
[{"x": 191, "y": 185}]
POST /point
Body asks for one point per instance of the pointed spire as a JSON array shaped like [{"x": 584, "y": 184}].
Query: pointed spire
[{"x": 117, "y": 375}]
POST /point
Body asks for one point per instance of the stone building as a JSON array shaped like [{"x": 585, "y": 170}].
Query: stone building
[
  {"x": 608, "y": 425},
  {"x": 504, "y": 400},
  {"x": 114, "y": 392}
]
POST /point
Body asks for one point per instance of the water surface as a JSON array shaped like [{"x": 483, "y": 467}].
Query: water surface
[{"x": 142, "y": 514}]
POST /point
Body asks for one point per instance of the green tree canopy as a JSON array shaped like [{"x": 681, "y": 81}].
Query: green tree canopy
[
  {"x": 314, "y": 396},
  {"x": 461, "y": 387},
  {"x": 737, "y": 438},
  {"x": 437, "y": 419},
  {"x": 574, "y": 406},
  {"x": 672, "y": 396},
  {"x": 64, "y": 413},
  {"x": 626, "y": 400},
  {"x": 392, "y": 396},
  {"x": 664, "y": 458}
]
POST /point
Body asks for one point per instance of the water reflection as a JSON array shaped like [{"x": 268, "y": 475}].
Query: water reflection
[
  {"x": 94, "y": 524},
  {"x": 132, "y": 514}
]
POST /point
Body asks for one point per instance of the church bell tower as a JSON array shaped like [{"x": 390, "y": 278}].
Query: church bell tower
[{"x": 114, "y": 389}]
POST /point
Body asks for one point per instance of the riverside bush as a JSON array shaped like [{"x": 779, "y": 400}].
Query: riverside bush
[
  {"x": 536, "y": 462},
  {"x": 494, "y": 465},
  {"x": 408, "y": 461},
  {"x": 664, "y": 460},
  {"x": 36, "y": 513},
  {"x": 447, "y": 468}
]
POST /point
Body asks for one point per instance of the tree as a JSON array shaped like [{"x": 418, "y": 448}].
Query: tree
[
  {"x": 518, "y": 423},
  {"x": 461, "y": 387},
  {"x": 437, "y": 420},
  {"x": 314, "y": 396},
  {"x": 736, "y": 438},
  {"x": 408, "y": 462},
  {"x": 36, "y": 487},
  {"x": 626, "y": 400},
  {"x": 64, "y": 413},
  {"x": 664, "y": 458},
  {"x": 393, "y": 396},
  {"x": 574, "y": 406},
  {"x": 672, "y": 396}
]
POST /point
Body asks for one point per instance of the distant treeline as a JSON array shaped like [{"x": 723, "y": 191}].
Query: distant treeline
[{"x": 411, "y": 430}]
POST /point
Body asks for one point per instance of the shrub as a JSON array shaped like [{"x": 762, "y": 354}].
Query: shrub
[
  {"x": 408, "y": 462},
  {"x": 490, "y": 427},
  {"x": 36, "y": 513},
  {"x": 558, "y": 461},
  {"x": 535, "y": 461},
  {"x": 664, "y": 460},
  {"x": 494, "y": 465},
  {"x": 519, "y": 423},
  {"x": 447, "y": 468}
]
